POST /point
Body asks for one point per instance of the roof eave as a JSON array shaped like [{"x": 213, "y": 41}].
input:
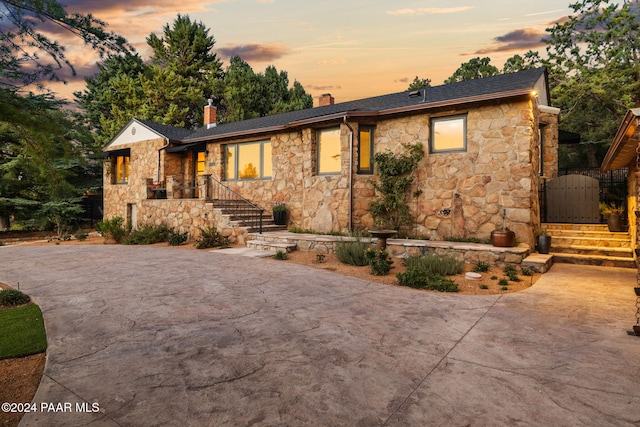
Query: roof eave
[{"x": 615, "y": 157}]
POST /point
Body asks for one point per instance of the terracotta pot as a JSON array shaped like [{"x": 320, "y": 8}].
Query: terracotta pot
[{"x": 503, "y": 238}]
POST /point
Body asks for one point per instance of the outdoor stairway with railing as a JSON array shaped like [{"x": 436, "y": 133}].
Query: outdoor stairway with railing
[
  {"x": 241, "y": 213},
  {"x": 591, "y": 244}
]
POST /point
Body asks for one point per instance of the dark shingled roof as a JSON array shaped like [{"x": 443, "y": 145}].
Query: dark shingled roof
[{"x": 501, "y": 86}]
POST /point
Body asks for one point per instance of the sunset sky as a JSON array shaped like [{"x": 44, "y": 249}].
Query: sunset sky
[{"x": 352, "y": 49}]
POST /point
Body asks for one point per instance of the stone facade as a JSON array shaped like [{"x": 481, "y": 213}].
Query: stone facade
[{"x": 463, "y": 194}]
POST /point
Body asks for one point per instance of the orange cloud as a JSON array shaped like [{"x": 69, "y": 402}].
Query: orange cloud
[{"x": 258, "y": 52}]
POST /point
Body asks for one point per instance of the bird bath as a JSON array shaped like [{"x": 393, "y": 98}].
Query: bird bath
[{"x": 382, "y": 236}]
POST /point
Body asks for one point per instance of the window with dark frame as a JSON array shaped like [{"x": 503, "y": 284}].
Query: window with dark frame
[
  {"x": 365, "y": 150},
  {"x": 448, "y": 134},
  {"x": 248, "y": 160},
  {"x": 121, "y": 169}
]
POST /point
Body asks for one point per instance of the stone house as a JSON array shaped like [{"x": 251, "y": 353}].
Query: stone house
[{"x": 488, "y": 145}]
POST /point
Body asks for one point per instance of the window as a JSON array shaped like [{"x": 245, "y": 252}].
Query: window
[
  {"x": 365, "y": 151},
  {"x": 448, "y": 134},
  {"x": 121, "y": 166},
  {"x": 200, "y": 161},
  {"x": 251, "y": 160},
  {"x": 328, "y": 147}
]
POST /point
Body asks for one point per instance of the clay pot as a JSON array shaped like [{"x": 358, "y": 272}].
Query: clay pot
[{"x": 503, "y": 238}]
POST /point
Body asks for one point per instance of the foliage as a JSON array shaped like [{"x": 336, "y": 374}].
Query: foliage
[
  {"x": 481, "y": 267},
  {"x": 503, "y": 282},
  {"x": 434, "y": 264},
  {"x": 298, "y": 230},
  {"x": 210, "y": 237},
  {"x": 395, "y": 177},
  {"x": 176, "y": 238},
  {"x": 466, "y": 239},
  {"x": 279, "y": 208},
  {"x": 527, "y": 272},
  {"x": 81, "y": 236},
  {"x": 379, "y": 261},
  {"x": 147, "y": 234},
  {"x": 281, "y": 255},
  {"x": 416, "y": 277},
  {"x": 511, "y": 273},
  {"x": 10, "y": 297},
  {"x": 113, "y": 228},
  {"x": 419, "y": 83},
  {"x": 476, "y": 68},
  {"x": 63, "y": 214},
  {"x": 22, "y": 331},
  {"x": 483, "y": 286},
  {"x": 610, "y": 209},
  {"x": 352, "y": 252}
]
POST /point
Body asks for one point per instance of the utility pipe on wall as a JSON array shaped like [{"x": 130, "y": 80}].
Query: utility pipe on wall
[
  {"x": 350, "y": 173},
  {"x": 166, "y": 144}
]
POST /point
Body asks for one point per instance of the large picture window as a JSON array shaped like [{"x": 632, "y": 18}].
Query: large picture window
[
  {"x": 448, "y": 134},
  {"x": 328, "y": 146},
  {"x": 365, "y": 151},
  {"x": 121, "y": 169},
  {"x": 251, "y": 160}
]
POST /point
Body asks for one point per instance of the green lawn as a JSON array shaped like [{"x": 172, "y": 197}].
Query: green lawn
[{"x": 22, "y": 332}]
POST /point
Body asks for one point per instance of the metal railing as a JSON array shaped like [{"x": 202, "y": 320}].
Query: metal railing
[{"x": 234, "y": 204}]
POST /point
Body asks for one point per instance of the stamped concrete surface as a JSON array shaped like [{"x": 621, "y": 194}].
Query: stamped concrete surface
[{"x": 153, "y": 336}]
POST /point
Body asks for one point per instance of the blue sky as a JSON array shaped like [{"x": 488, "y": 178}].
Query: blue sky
[{"x": 351, "y": 49}]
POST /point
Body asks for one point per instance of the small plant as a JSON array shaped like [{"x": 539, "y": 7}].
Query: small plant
[
  {"x": 541, "y": 231},
  {"x": 319, "y": 258},
  {"x": 81, "y": 236},
  {"x": 11, "y": 297},
  {"x": 177, "y": 238},
  {"x": 280, "y": 255},
  {"x": 511, "y": 273},
  {"x": 379, "y": 261},
  {"x": 210, "y": 238},
  {"x": 439, "y": 283},
  {"x": 494, "y": 277},
  {"x": 526, "y": 272},
  {"x": 504, "y": 288},
  {"x": 352, "y": 252},
  {"x": 483, "y": 286},
  {"x": 280, "y": 208},
  {"x": 503, "y": 282},
  {"x": 113, "y": 228},
  {"x": 436, "y": 264},
  {"x": 481, "y": 267},
  {"x": 413, "y": 278},
  {"x": 147, "y": 234},
  {"x": 612, "y": 208},
  {"x": 1, "y": 242}
]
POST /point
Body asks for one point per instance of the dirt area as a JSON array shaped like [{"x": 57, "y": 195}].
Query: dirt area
[{"x": 19, "y": 378}]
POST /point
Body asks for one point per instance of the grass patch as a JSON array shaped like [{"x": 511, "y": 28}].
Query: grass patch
[{"x": 22, "y": 332}]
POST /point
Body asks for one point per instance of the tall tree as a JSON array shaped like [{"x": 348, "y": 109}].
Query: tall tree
[{"x": 476, "y": 68}]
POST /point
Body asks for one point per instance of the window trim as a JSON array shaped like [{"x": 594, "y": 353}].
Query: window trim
[
  {"x": 235, "y": 147},
  {"x": 318, "y": 164},
  {"x": 126, "y": 163},
  {"x": 434, "y": 120},
  {"x": 370, "y": 130}
]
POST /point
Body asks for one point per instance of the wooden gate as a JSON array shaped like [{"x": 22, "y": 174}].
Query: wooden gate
[{"x": 573, "y": 199}]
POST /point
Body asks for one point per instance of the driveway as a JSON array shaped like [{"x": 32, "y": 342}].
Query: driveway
[{"x": 154, "y": 336}]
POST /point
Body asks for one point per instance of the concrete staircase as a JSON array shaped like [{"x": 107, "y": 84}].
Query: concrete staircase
[
  {"x": 271, "y": 242},
  {"x": 591, "y": 244}
]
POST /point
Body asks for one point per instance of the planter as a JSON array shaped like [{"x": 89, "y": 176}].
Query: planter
[
  {"x": 614, "y": 222},
  {"x": 637, "y": 291},
  {"x": 382, "y": 236},
  {"x": 280, "y": 217},
  {"x": 503, "y": 238},
  {"x": 543, "y": 244}
]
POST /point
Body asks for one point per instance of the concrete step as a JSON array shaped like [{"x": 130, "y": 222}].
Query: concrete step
[
  {"x": 271, "y": 246},
  {"x": 604, "y": 261},
  {"x": 550, "y": 227},
  {"x": 540, "y": 263},
  {"x": 592, "y": 250},
  {"x": 596, "y": 242}
]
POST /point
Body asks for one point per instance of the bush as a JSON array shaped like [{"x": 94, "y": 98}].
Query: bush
[
  {"x": 503, "y": 282},
  {"x": 436, "y": 264},
  {"x": 210, "y": 237},
  {"x": 176, "y": 238},
  {"x": 439, "y": 283},
  {"x": 481, "y": 267},
  {"x": 379, "y": 261},
  {"x": 527, "y": 272},
  {"x": 147, "y": 234},
  {"x": 281, "y": 255},
  {"x": 11, "y": 297},
  {"x": 352, "y": 252},
  {"x": 81, "y": 236},
  {"x": 113, "y": 228},
  {"x": 413, "y": 278}
]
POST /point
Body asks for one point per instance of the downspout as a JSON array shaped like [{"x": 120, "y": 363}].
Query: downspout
[
  {"x": 350, "y": 173},
  {"x": 166, "y": 144}
]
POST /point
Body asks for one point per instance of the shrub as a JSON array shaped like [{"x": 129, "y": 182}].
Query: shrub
[
  {"x": 113, "y": 228},
  {"x": 413, "y": 278},
  {"x": 503, "y": 282},
  {"x": 281, "y": 255},
  {"x": 483, "y": 286},
  {"x": 210, "y": 238},
  {"x": 352, "y": 252},
  {"x": 481, "y": 267},
  {"x": 439, "y": 283},
  {"x": 177, "y": 238},
  {"x": 81, "y": 236},
  {"x": 379, "y": 261},
  {"x": 147, "y": 234},
  {"x": 504, "y": 288},
  {"x": 527, "y": 272},
  {"x": 11, "y": 297},
  {"x": 436, "y": 264},
  {"x": 511, "y": 273}
]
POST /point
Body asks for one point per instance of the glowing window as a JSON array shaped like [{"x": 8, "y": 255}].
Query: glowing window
[
  {"x": 328, "y": 143},
  {"x": 448, "y": 134}
]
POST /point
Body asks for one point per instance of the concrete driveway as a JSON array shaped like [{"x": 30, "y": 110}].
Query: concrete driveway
[{"x": 154, "y": 336}]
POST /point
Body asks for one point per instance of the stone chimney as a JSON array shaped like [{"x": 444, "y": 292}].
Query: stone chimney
[
  {"x": 326, "y": 99},
  {"x": 210, "y": 115}
]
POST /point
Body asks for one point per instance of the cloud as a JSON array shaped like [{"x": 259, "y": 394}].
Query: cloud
[
  {"x": 330, "y": 62},
  {"x": 521, "y": 39},
  {"x": 429, "y": 11},
  {"x": 323, "y": 88},
  {"x": 260, "y": 52}
]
